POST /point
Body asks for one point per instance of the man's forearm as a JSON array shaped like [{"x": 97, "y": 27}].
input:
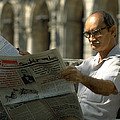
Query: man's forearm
[{"x": 99, "y": 86}]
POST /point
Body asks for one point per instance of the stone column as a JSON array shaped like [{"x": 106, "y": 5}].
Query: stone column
[{"x": 52, "y": 28}]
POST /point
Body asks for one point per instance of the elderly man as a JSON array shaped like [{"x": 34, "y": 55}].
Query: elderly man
[{"x": 98, "y": 76}]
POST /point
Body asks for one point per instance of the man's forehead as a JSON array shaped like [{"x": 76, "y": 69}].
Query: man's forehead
[
  {"x": 94, "y": 20},
  {"x": 96, "y": 16}
]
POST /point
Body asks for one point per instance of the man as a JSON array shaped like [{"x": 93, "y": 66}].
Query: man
[{"x": 98, "y": 76}]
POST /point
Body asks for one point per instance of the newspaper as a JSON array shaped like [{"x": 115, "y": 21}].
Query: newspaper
[
  {"x": 32, "y": 77},
  {"x": 7, "y": 49},
  {"x": 65, "y": 107},
  {"x": 31, "y": 88}
]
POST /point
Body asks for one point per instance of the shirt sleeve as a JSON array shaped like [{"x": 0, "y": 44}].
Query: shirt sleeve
[
  {"x": 117, "y": 82},
  {"x": 113, "y": 73},
  {"x": 85, "y": 66}
]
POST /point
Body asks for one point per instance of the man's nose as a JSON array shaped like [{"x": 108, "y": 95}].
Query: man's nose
[{"x": 92, "y": 38}]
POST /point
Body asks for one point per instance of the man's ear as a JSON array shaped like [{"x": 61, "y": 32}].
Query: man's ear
[{"x": 113, "y": 30}]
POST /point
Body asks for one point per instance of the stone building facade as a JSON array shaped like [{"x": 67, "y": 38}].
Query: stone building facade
[{"x": 38, "y": 25}]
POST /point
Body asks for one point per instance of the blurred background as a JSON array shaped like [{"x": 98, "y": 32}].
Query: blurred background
[{"x": 39, "y": 25}]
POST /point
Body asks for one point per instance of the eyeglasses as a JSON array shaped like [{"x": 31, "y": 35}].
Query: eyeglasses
[{"x": 94, "y": 33}]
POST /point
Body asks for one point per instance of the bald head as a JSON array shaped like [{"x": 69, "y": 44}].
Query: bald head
[
  {"x": 102, "y": 17},
  {"x": 95, "y": 19}
]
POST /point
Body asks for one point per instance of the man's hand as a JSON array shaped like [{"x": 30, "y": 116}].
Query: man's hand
[
  {"x": 23, "y": 52},
  {"x": 71, "y": 73}
]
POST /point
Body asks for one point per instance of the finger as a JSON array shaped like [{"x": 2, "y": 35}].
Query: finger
[
  {"x": 70, "y": 77},
  {"x": 18, "y": 49},
  {"x": 68, "y": 71},
  {"x": 22, "y": 52}
]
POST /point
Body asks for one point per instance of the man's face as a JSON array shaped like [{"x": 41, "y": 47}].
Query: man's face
[{"x": 99, "y": 35}]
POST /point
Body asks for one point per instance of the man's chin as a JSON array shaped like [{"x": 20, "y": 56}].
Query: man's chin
[{"x": 95, "y": 48}]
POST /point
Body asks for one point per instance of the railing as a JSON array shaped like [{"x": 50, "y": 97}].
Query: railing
[{"x": 72, "y": 61}]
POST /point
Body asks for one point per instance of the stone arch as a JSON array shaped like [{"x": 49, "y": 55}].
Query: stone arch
[
  {"x": 40, "y": 34},
  {"x": 7, "y": 22},
  {"x": 74, "y": 10}
]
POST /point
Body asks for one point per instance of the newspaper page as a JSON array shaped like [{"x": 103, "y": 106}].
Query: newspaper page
[
  {"x": 30, "y": 79},
  {"x": 64, "y": 107},
  {"x": 6, "y": 49}
]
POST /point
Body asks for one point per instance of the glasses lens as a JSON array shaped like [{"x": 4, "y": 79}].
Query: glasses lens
[
  {"x": 86, "y": 34},
  {"x": 96, "y": 32}
]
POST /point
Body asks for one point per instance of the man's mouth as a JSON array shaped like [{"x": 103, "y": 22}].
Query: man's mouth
[{"x": 95, "y": 42}]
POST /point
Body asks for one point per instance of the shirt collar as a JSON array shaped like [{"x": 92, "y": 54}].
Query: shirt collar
[{"x": 114, "y": 52}]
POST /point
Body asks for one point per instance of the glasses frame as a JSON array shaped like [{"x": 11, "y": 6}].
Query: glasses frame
[{"x": 88, "y": 34}]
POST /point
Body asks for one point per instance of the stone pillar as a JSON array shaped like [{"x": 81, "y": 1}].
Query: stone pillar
[
  {"x": 28, "y": 24},
  {"x": 22, "y": 27},
  {"x": 61, "y": 38},
  {"x": 7, "y": 22},
  {"x": 53, "y": 29},
  {"x": 88, "y": 10},
  {"x": 39, "y": 27},
  {"x": 74, "y": 41},
  {"x": 52, "y": 6}
]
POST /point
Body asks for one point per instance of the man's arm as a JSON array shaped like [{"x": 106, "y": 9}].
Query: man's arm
[{"x": 98, "y": 86}]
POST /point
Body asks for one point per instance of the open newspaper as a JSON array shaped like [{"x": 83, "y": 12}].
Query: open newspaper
[
  {"x": 31, "y": 87},
  {"x": 6, "y": 49}
]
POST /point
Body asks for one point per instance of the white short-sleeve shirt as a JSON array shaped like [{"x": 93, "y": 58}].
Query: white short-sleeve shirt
[{"x": 96, "y": 106}]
